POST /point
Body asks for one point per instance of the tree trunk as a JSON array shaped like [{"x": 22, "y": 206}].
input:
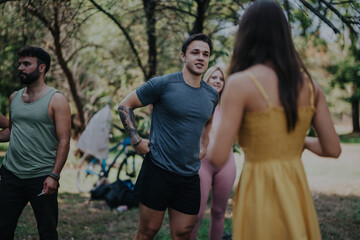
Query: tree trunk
[
  {"x": 149, "y": 8},
  {"x": 355, "y": 115},
  {"x": 200, "y": 16},
  {"x": 70, "y": 79},
  {"x": 54, "y": 27}
]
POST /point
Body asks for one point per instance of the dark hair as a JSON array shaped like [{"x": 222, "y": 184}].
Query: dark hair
[
  {"x": 264, "y": 35},
  {"x": 42, "y": 56},
  {"x": 196, "y": 37}
]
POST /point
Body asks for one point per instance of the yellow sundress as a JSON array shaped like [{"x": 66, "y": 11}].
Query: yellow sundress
[{"x": 273, "y": 199}]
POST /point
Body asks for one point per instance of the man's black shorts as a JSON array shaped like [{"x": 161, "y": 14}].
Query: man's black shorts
[{"x": 158, "y": 189}]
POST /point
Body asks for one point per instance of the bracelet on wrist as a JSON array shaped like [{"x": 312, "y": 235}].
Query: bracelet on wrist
[
  {"x": 54, "y": 176},
  {"x": 137, "y": 143}
]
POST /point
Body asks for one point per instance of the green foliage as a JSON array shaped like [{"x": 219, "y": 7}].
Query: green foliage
[
  {"x": 320, "y": 44},
  {"x": 236, "y": 148},
  {"x": 14, "y": 34},
  {"x": 304, "y": 21},
  {"x": 350, "y": 138},
  {"x": 104, "y": 65},
  {"x": 346, "y": 74},
  {"x": 311, "y": 132}
]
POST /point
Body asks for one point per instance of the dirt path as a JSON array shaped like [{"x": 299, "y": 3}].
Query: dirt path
[{"x": 334, "y": 176}]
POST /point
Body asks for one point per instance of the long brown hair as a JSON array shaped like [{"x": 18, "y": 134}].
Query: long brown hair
[{"x": 264, "y": 35}]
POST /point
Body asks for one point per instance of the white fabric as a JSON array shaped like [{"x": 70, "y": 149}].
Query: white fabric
[{"x": 95, "y": 138}]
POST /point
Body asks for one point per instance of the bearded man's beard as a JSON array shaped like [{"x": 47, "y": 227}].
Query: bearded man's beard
[{"x": 29, "y": 78}]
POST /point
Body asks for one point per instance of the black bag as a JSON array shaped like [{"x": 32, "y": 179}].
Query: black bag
[
  {"x": 121, "y": 194},
  {"x": 99, "y": 192},
  {"x": 116, "y": 194}
]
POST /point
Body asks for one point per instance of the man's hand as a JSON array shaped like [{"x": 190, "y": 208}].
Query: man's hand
[
  {"x": 50, "y": 186},
  {"x": 143, "y": 147}
]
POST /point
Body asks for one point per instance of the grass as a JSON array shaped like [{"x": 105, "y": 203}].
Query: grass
[
  {"x": 83, "y": 219},
  {"x": 353, "y": 137},
  {"x": 339, "y": 218},
  {"x": 334, "y": 184}
]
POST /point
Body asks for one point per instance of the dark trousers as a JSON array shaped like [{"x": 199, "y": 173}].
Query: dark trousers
[{"x": 15, "y": 193}]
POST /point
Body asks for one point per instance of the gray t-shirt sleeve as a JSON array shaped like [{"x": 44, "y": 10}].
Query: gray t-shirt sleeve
[{"x": 150, "y": 91}]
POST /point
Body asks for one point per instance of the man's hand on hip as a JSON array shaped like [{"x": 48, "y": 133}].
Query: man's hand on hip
[{"x": 143, "y": 147}]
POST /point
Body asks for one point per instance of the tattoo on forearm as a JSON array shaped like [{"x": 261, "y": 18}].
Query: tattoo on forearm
[{"x": 128, "y": 120}]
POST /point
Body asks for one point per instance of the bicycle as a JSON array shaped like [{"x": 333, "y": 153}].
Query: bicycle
[{"x": 94, "y": 172}]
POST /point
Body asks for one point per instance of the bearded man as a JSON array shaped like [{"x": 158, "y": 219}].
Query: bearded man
[{"x": 39, "y": 135}]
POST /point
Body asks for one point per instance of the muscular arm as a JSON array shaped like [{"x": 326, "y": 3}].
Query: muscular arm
[
  {"x": 204, "y": 140},
  {"x": 5, "y": 135},
  {"x": 327, "y": 143},
  {"x": 126, "y": 107},
  {"x": 6, "y": 124},
  {"x": 61, "y": 115},
  {"x": 5, "y": 132}
]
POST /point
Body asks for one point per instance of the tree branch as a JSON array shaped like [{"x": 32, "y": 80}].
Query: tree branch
[
  {"x": 176, "y": 10},
  {"x": 32, "y": 10},
  {"x": 125, "y": 32},
  {"x": 79, "y": 49},
  {"x": 4, "y": 1},
  {"x": 316, "y": 12},
  {"x": 342, "y": 18}
]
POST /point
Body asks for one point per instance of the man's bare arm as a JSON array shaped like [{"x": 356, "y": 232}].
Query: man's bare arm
[
  {"x": 5, "y": 132},
  {"x": 126, "y": 108},
  {"x": 204, "y": 140},
  {"x": 128, "y": 119},
  {"x": 62, "y": 120},
  {"x": 6, "y": 124},
  {"x": 5, "y": 135}
]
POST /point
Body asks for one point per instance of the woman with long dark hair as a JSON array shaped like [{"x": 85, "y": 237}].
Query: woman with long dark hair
[{"x": 269, "y": 103}]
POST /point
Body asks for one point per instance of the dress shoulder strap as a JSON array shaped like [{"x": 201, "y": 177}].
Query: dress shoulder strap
[
  {"x": 259, "y": 87},
  {"x": 311, "y": 93}
]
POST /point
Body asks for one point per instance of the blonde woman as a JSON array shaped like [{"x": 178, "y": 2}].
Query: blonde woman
[{"x": 220, "y": 180}]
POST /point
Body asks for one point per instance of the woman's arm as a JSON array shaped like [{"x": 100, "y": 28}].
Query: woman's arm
[
  {"x": 327, "y": 143},
  {"x": 233, "y": 106}
]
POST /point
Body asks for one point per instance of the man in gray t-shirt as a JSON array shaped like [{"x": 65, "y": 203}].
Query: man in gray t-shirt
[{"x": 183, "y": 105}]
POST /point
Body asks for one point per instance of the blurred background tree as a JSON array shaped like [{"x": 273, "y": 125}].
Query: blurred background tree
[{"x": 102, "y": 50}]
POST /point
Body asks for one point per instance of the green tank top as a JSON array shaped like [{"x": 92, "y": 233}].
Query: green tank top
[{"x": 33, "y": 140}]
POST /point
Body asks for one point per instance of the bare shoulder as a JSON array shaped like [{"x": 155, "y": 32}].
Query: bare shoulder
[
  {"x": 12, "y": 96},
  {"x": 241, "y": 83},
  {"x": 239, "y": 79},
  {"x": 317, "y": 88},
  {"x": 59, "y": 98},
  {"x": 59, "y": 101},
  {"x": 318, "y": 92}
]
